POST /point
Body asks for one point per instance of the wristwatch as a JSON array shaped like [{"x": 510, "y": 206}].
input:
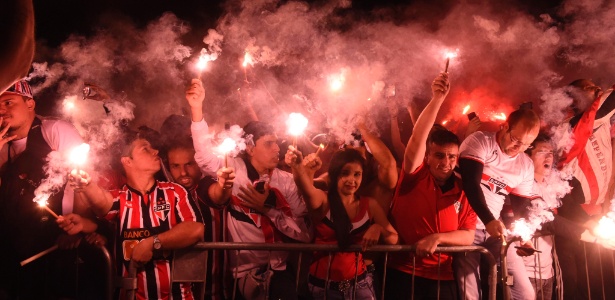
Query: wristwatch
[{"x": 157, "y": 244}]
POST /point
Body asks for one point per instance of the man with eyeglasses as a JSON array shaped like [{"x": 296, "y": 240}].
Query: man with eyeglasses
[{"x": 493, "y": 166}]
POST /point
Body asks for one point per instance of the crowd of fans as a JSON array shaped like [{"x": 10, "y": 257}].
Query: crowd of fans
[{"x": 164, "y": 194}]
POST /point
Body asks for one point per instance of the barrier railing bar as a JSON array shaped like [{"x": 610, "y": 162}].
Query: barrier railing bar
[{"x": 333, "y": 248}]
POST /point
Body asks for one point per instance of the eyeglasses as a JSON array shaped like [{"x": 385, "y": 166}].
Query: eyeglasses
[{"x": 515, "y": 140}]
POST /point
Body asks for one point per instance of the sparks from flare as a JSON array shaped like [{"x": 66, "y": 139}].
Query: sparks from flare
[
  {"x": 227, "y": 145},
  {"x": 605, "y": 229},
  {"x": 500, "y": 116},
  {"x": 42, "y": 202},
  {"x": 296, "y": 124},
  {"x": 522, "y": 229}
]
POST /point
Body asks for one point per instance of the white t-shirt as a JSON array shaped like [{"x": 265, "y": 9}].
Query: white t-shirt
[
  {"x": 502, "y": 174},
  {"x": 60, "y": 136},
  {"x": 540, "y": 265}
]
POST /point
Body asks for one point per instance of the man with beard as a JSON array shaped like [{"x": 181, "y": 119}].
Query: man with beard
[
  {"x": 26, "y": 140},
  {"x": 212, "y": 196},
  {"x": 265, "y": 206}
]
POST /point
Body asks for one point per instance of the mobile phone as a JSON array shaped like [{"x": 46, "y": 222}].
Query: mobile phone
[
  {"x": 471, "y": 116},
  {"x": 260, "y": 186},
  {"x": 528, "y": 249}
]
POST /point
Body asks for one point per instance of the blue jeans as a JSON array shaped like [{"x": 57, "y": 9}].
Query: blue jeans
[
  {"x": 466, "y": 267},
  {"x": 365, "y": 291}
]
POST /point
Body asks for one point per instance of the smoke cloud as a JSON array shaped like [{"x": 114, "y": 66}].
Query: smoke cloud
[{"x": 506, "y": 56}]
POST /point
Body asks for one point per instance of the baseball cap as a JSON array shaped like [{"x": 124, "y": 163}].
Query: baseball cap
[{"x": 21, "y": 88}]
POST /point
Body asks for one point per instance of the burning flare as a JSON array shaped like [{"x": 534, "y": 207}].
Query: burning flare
[
  {"x": 605, "y": 229},
  {"x": 69, "y": 105},
  {"x": 204, "y": 59},
  {"x": 522, "y": 229},
  {"x": 466, "y": 109},
  {"x": 448, "y": 55},
  {"x": 336, "y": 81},
  {"x": 42, "y": 202},
  {"x": 247, "y": 60},
  {"x": 227, "y": 145},
  {"x": 296, "y": 124},
  {"x": 79, "y": 154}
]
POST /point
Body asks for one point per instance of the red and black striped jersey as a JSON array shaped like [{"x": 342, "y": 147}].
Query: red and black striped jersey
[{"x": 140, "y": 216}]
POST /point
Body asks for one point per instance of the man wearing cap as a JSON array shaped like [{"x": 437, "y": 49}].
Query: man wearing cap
[
  {"x": 267, "y": 213},
  {"x": 25, "y": 142}
]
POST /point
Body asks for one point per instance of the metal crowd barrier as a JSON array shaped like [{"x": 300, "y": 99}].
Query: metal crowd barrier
[{"x": 188, "y": 264}]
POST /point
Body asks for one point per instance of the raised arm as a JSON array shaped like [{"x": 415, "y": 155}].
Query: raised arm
[
  {"x": 415, "y": 150},
  {"x": 387, "y": 166},
  {"x": 17, "y": 50},
  {"x": 220, "y": 193},
  {"x": 398, "y": 145},
  {"x": 201, "y": 138},
  {"x": 303, "y": 174}
]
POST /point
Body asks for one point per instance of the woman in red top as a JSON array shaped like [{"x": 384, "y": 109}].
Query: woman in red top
[{"x": 341, "y": 217}]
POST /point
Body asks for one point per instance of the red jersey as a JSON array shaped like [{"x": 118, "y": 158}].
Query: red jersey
[
  {"x": 140, "y": 216},
  {"x": 343, "y": 264},
  {"x": 420, "y": 208}
]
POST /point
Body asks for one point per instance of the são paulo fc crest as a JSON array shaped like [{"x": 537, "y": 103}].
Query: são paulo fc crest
[
  {"x": 457, "y": 206},
  {"x": 161, "y": 208}
]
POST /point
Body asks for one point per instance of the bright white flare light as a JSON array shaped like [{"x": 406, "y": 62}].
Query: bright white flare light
[
  {"x": 521, "y": 229},
  {"x": 227, "y": 145},
  {"x": 466, "y": 109},
  {"x": 69, "y": 105},
  {"x": 451, "y": 54},
  {"x": 336, "y": 84},
  {"x": 296, "y": 124},
  {"x": 79, "y": 154},
  {"x": 204, "y": 59},
  {"x": 247, "y": 60},
  {"x": 336, "y": 81},
  {"x": 605, "y": 229}
]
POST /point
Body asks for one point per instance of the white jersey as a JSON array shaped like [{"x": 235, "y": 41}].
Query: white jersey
[
  {"x": 61, "y": 136},
  {"x": 239, "y": 231},
  {"x": 502, "y": 174}
]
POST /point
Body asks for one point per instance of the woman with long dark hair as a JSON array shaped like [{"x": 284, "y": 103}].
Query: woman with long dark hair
[{"x": 343, "y": 218}]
